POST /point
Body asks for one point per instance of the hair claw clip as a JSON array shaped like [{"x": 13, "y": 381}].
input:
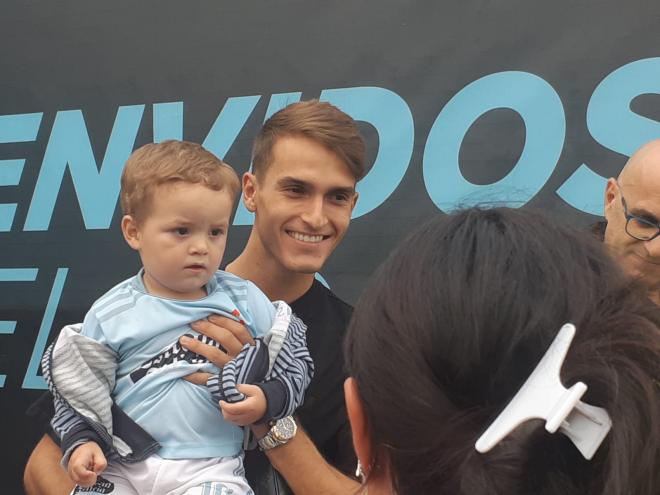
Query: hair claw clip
[{"x": 543, "y": 396}]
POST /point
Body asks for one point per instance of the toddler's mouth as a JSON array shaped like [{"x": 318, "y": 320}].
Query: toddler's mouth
[{"x": 195, "y": 267}]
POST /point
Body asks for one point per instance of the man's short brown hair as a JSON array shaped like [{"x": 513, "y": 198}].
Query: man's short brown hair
[
  {"x": 321, "y": 122},
  {"x": 171, "y": 161}
]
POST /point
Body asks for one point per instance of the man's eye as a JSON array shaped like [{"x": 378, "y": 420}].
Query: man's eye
[
  {"x": 644, "y": 223},
  {"x": 295, "y": 190}
]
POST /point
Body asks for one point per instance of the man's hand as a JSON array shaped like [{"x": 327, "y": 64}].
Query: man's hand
[
  {"x": 249, "y": 410},
  {"x": 231, "y": 334},
  {"x": 85, "y": 463}
]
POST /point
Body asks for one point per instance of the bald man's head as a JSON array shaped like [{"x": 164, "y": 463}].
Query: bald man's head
[
  {"x": 643, "y": 167},
  {"x": 636, "y": 192}
]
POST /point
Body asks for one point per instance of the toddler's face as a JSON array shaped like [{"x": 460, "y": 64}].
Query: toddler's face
[{"x": 182, "y": 239}]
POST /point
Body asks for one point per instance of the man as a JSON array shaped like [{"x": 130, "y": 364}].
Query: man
[
  {"x": 632, "y": 211},
  {"x": 307, "y": 159}
]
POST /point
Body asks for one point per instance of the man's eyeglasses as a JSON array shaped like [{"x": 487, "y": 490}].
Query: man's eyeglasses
[{"x": 638, "y": 227}]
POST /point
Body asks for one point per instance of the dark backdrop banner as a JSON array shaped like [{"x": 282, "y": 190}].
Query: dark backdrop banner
[{"x": 528, "y": 104}]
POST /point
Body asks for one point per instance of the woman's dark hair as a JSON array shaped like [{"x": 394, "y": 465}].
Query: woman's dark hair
[{"x": 452, "y": 325}]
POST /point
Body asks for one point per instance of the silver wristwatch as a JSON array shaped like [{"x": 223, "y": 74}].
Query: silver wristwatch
[{"x": 281, "y": 432}]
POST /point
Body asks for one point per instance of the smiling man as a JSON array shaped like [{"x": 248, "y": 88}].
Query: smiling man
[
  {"x": 303, "y": 194},
  {"x": 307, "y": 160},
  {"x": 632, "y": 210}
]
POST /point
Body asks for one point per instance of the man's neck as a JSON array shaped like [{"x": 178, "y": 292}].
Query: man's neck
[{"x": 259, "y": 267}]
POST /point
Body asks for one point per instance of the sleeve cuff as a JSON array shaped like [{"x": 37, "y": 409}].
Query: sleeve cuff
[{"x": 276, "y": 394}]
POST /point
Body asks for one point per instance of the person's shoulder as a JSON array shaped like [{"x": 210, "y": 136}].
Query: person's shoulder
[
  {"x": 122, "y": 295},
  {"x": 341, "y": 305},
  {"x": 319, "y": 294},
  {"x": 240, "y": 289},
  {"x": 235, "y": 285}
]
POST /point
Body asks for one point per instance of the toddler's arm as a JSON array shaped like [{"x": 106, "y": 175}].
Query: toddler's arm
[
  {"x": 284, "y": 384},
  {"x": 71, "y": 367}
]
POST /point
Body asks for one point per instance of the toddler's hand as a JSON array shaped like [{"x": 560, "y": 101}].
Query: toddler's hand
[
  {"x": 85, "y": 463},
  {"x": 249, "y": 410}
]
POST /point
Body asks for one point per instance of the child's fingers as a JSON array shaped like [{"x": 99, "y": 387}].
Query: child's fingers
[
  {"x": 82, "y": 476},
  {"x": 237, "y": 413},
  {"x": 246, "y": 405},
  {"x": 242, "y": 413},
  {"x": 100, "y": 463},
  {"x": 248, "y": 390},
  {"x": 86, "y": 462},
  {"x": 233, "y": 408}
]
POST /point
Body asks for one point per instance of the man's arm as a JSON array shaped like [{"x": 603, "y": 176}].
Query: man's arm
[
  {"x": 298, "y": 461},
  {"x": 304, "y": 468},
  {"x": 43, "y": 473}
]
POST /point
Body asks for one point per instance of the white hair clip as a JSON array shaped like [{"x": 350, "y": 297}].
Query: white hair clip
[{"x": 543, "y": 396}]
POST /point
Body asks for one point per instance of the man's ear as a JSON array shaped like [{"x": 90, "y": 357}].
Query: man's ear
[
  {"x": 611, "y": 191},
  {"x": 359, "y": 425},
  {"x": 129, "y": 228},
  {"x": 355, "y": 198},
  {"x": 250, "y": 191}
]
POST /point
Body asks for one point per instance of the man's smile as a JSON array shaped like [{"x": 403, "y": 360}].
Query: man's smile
[{"x": 310, "y": 238}]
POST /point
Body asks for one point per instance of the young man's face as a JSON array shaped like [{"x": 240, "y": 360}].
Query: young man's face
[
  {"x": 303, "y": 203},
  {"x": 182, "y": 239},
  {"x": 641, "y": 259}
]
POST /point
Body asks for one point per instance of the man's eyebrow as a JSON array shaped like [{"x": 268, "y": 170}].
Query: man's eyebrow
[
  {"x": 343, "y": 190},
  {"x": 644, "y": 213},
  {"x": 292, "y": 181}
]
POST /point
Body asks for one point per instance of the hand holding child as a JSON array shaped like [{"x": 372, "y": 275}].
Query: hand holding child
[
  {"x": 85, "y": 463},
  {"x": 248, "y": 411}
]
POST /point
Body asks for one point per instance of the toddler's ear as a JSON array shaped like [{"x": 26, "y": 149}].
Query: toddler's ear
[{"x": 129, "y": 228}]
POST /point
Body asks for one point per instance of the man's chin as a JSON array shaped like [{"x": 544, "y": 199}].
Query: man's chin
[
  {"x": 308, "y": 270},
  {"x": 306, "y": 267}
]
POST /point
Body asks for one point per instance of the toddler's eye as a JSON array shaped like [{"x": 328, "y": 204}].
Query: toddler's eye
[
  {"x": 216, "y": 232},
  {"x": 181, "y": 230}
]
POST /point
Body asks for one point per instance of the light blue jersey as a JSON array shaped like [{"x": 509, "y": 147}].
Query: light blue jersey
[{"x": 138, "y": 326}]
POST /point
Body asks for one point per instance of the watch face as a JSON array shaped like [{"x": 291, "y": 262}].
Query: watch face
[{"x": 284, "y": 429}]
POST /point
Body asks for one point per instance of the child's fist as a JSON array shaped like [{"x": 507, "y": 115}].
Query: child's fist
[
  {"x": 85, "y": 463},
  {"x": 249, "y": 410}
]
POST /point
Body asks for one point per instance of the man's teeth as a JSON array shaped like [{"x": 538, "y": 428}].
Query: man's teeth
[{"x": 306, "y": 238}]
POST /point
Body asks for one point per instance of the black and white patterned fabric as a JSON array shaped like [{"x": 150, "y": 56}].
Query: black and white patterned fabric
[
  {"x": 174, "y": 354},
  {"x": 284, "y": 385}
]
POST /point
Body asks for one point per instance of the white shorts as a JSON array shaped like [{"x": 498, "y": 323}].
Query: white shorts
[{"x": 158, "y": 476}]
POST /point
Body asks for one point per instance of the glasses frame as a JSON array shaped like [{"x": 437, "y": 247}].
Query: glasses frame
[{"x": 630, "y": 217}]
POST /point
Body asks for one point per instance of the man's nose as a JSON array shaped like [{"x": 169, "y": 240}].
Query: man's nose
[{"x": 315, "y": 215}]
